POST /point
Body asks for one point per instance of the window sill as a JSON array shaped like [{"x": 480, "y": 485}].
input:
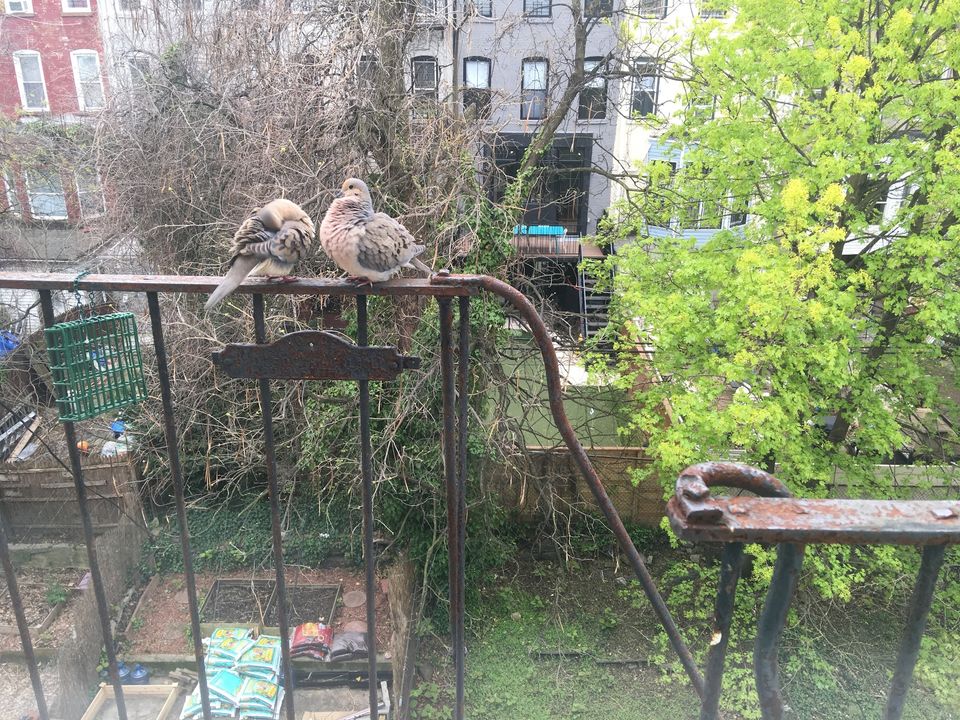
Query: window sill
[
  {"x": 538, "y": 19},
  {"x": 77, "y": 13},
  {"x": 21, "y": 14},
  {"x": 593, "y": 121}
]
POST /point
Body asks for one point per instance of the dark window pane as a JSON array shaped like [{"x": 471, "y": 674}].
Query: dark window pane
[
  {"x": 598, "y": 8},
  {"x": 483, "y": 8},
  {"x": 646, "y": 87},
  {"x": 537, "y": 8},
  {"x": 653, "y": 8}
]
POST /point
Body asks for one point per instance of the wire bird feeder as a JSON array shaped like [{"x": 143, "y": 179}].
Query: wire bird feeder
[{"x": 95, "y": 363}]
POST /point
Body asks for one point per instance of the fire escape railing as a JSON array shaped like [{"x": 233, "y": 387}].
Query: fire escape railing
[{"x": 322, "y": 355}]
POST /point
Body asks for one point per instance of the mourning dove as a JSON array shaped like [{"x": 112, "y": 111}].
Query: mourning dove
[
  {"x": 269, "y": 242},
  {"x": 371, "y": 247}
]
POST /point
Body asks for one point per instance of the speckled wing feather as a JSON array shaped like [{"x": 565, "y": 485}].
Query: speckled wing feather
[
  {"x": 386, "y": 244},
  {"x": 286, "y": 246}
]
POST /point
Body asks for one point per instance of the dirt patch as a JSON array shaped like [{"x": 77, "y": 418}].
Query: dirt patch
[
  {"x": 17, "y": 692},
  {"x": 237, "y": 601},
  {"x": 307, "y": 603},
  {"x": 163, "y": 620},
  {"x": 37, "y": 588}
]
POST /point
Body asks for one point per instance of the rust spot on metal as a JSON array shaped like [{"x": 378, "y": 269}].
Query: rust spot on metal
[{"x": 312, "y": 355}]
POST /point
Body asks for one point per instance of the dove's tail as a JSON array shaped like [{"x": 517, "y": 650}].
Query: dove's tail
[
  {"x": 418, "y": 264},
  {"x": 242, "y": 266}
]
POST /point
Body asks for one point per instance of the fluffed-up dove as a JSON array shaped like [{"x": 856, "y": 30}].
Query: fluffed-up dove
[
  {"x": 370, "y": 246},
  {"x": 269, "y": 242}
]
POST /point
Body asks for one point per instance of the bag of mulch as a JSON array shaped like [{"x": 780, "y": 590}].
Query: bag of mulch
[
  {"x": 311, "y": 640},
  {"x": 261, "y": 661},
  {"x": 225, "y": 685},
  {"x": 349, "y": 646},
  {"x": 229, "y": 632},
  {"x": 226, "y": 652},
  {"x": 193, "y": 707},
  {"x": 259, "y": 695}
]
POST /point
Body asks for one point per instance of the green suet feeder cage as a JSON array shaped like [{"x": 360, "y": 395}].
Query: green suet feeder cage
[{"x": 96, "y": 365}]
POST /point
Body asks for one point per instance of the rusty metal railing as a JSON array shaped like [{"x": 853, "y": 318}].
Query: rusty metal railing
[
  {"x": 775, "y": 517},
  {"x": 325, "y": 356}
]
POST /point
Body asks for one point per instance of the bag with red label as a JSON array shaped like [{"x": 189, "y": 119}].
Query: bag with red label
[{"x": 311, "y": 640}]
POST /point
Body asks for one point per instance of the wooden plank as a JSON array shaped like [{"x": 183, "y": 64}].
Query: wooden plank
[{"x": 24, "y": 441}]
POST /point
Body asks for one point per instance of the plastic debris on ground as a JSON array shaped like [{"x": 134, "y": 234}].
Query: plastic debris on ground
[{"x": 243, "y": 677}]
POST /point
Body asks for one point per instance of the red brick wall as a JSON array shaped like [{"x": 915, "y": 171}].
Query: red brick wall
[{"x": 54, "y": 34}]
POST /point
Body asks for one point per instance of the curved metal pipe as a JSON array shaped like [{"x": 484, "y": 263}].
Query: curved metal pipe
[{"x": 555, "y": 392}]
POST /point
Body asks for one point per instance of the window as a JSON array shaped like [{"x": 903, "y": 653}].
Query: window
[
  {"x": 33, "y": 91},
  {"x": 536, "y": 8},
  {"x": 533, "y": 81},
  {"x": 881, "y": 195},
  {"x": 597, "y": 8},
  {"x": 129, "y": 5},
  {"x": 483, "y": 8},
  {"x": 19, "y": 7},
  {"x": 476, "y": 85},
  {"x": 425, "y": 83},
  {"x": 89, "y": 192},
  {"x": 45, "y": 192},
  {"x": 86, "y": 75},
  {"x": 76, "y": 6},
  {"x": 139, "y": 68},
  {"x": 593, "y": 97},
  {"x": 366, "y": 71},
  {"x": 646, "y": 87},
  {"x": 430, "y": 9},
  {"x": 653, "y": 9}
]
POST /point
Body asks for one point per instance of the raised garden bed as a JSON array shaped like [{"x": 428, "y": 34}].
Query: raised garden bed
[
  {"x": 238, "y": 603},
  {"x": 305, "y": 603},
  {"x": 44, "y": 594}
]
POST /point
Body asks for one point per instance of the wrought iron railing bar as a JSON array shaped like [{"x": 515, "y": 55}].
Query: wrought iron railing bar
[
  {"x": 208, "y": 283},
  {"x": 22, "y": 625},
  {"x": 103, "y": 608},
  {"x": 369, "y": 551},
  {"x": 450, "y": 473},
  {"x": 266, "y": 409},
  {"x": 920, "y": 601},
  {"x": 555, "y": 394},
  {"x": 731, "y": 560},
  {"x": 773, "y": 618},
  {"x": 176, "y": 474},
  {"x": 463, "y": 409}
]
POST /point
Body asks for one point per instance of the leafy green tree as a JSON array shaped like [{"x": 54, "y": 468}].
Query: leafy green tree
[{"x": 823, "y": 333}]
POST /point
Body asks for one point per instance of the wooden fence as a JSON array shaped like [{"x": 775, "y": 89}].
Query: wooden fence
[{"x": 38, "y": 500}]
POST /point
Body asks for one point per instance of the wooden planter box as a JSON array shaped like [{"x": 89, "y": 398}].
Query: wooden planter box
[
  {"x": 305, "y": 603},
  {"x": 236, "y": 603}
]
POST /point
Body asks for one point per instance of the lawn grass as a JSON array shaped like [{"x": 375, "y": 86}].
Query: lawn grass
[{"x": 540, "y": 637}]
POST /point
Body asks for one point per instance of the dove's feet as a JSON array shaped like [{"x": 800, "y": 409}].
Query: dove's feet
[{"x": 359, "y": 281}]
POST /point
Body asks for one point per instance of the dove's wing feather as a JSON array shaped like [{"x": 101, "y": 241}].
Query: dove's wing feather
[{"x": 386, "y": 244}]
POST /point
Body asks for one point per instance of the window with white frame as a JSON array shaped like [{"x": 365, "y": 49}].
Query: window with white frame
[
  {"x": 476, "y": 85},
  {"x": 428, "y": 10},
  {"x": 536, "y": 8},
  {"x": 19, "y": 7},
  {"x": 45, "y": 193},
  {"x": 86, "y": 76},
  {"x": 29, "y": 69},
  {"x": 89, "y": 192},
  {"x": 425, "y": 83},
  {"x": 646, "y": 88},
  {"x": 653, "y": 9},
  {"x": 76, "y": 6},
  {"x": 533, "y": 88},
  {"x": 593, "y": 97}
]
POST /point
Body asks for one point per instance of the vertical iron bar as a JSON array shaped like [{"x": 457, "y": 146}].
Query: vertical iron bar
[
  {"x": 22, "y": 625},
  {"x": 449, "y": 443},
  {"x": 176, "y": 473},
  {"x": 730, "y": 563},
  {"x": 103, "y": 607},
  {"x": 266, "y": 409},
  {"x": 462, "y": 425},
  {"x": 786, "y": 571},
  {"x": 913, "y": 632},
  {"x": 369, "y": 552}
]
